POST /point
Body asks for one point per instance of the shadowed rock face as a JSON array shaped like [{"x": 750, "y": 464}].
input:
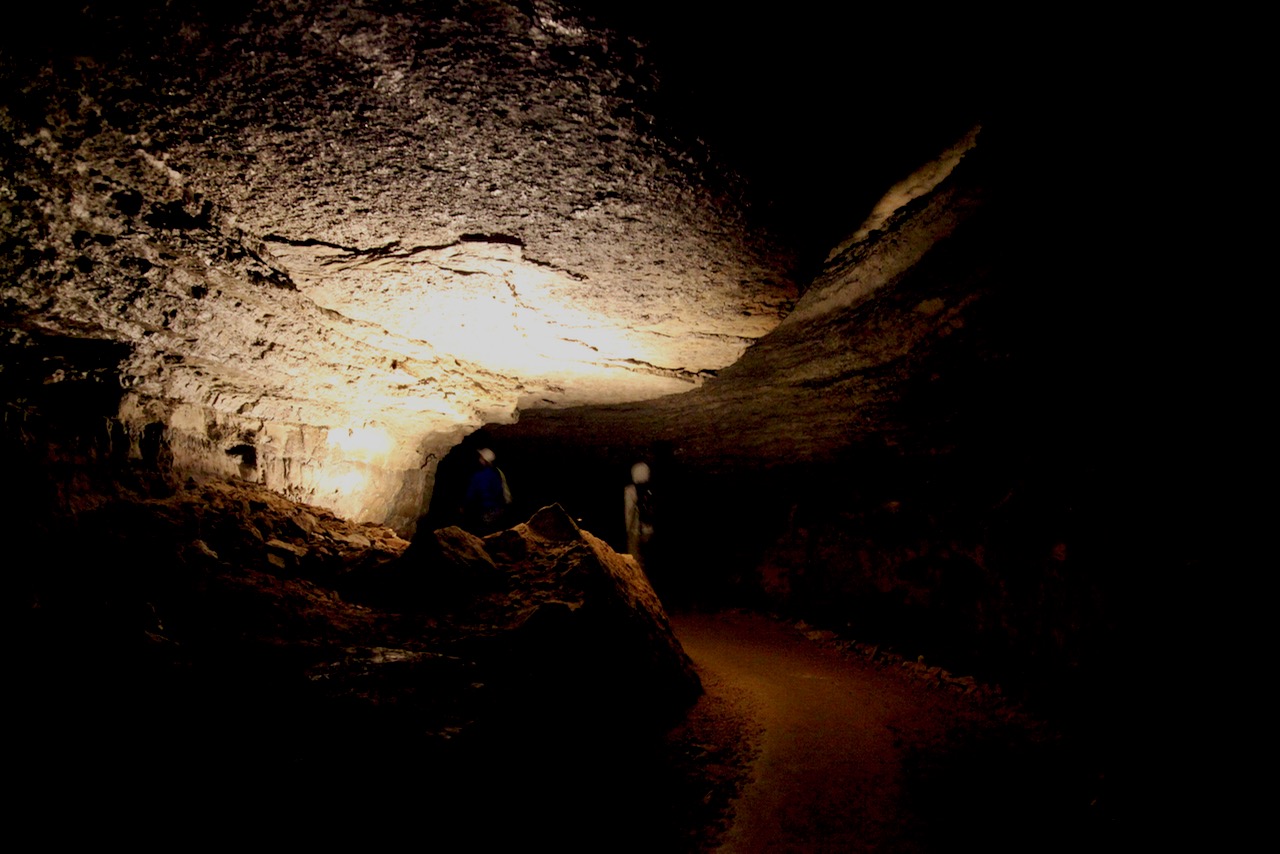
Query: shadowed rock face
[
  {"x": 254, "y": 656},
  {"x": 227, "y": 623},
  {"x": 572, "y": 626}
]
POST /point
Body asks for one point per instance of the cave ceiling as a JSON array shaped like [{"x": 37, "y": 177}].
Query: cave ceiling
[{"x": 347, "y": 234}]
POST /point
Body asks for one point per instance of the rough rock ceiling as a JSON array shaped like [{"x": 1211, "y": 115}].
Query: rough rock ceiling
[{"x": 335, "y": 238}]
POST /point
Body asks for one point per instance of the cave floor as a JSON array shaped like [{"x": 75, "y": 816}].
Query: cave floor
[
  {"x": 796, "y": 745},
  {"x": 833, "y": 752}
]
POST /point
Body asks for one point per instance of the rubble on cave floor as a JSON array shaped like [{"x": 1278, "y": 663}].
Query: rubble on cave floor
[{"x": 229, "y": 621}]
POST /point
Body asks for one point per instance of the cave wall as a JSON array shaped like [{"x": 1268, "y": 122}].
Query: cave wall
[
  {"x": 913, "y": 457},
  {"x": 337, "y": 238}
]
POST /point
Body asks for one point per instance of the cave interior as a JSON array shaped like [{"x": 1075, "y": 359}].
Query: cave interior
[{"x": 826, "y": 274}]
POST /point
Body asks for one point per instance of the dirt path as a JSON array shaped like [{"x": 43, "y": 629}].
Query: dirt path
[{"x": 851, "y": 757}]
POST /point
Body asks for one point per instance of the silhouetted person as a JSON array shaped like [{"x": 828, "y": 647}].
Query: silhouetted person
[
  {"x": 484, "y": 506},
  {"x": 639, "y": 513}
]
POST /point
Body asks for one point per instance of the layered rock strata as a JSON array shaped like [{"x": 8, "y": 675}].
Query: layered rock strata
[{"x": 334, "y": 240}]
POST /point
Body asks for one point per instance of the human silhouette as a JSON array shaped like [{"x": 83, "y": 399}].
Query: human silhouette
[
  {"x": 639, "y": 514},
  {"x": 484, "y": 507}
]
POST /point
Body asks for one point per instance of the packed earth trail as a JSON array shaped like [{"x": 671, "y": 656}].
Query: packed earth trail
[{"x": 851, "y": 756}]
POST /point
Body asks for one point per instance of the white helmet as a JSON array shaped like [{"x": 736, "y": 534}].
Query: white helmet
[{"x": 640, "y": 473}]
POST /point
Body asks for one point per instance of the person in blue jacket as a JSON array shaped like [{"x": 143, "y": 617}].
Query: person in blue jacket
[{"x": 485, "y": 504}]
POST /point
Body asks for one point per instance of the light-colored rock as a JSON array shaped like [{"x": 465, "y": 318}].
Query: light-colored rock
[{"x": 336, "y": 243}]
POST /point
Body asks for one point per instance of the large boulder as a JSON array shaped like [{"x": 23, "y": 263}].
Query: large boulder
[
  {"x": 564, "y": 628},
  {"x": 586, "y": 630}
]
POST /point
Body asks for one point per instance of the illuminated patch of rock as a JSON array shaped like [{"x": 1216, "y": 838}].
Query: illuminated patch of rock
[{"x": 336, "y": 239}]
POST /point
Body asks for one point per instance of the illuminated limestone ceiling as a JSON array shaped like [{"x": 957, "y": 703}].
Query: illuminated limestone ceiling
[
  {"x": 562, "y": 339},
  {"x": 315, "y": 222},
  {"x": 487, "y": 183}
]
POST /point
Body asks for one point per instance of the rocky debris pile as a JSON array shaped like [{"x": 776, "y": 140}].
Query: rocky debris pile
[
  {"x": 559, "y": 621},
  {"x": 224, "y": 626}
]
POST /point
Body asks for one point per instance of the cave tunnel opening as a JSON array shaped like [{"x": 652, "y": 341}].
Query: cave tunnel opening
[{"x": 703, "y": 548}]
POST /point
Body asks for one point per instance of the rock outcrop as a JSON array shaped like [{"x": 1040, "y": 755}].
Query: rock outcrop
[{"x": 218, "y": 625}]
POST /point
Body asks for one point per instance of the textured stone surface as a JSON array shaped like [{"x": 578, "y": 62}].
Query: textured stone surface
[
  {"x": 229, "y": 643},
  {"x": 218, "y": 574},
  {"x": 340, "y": 237},
  {"x": 314, "y": 247}
]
